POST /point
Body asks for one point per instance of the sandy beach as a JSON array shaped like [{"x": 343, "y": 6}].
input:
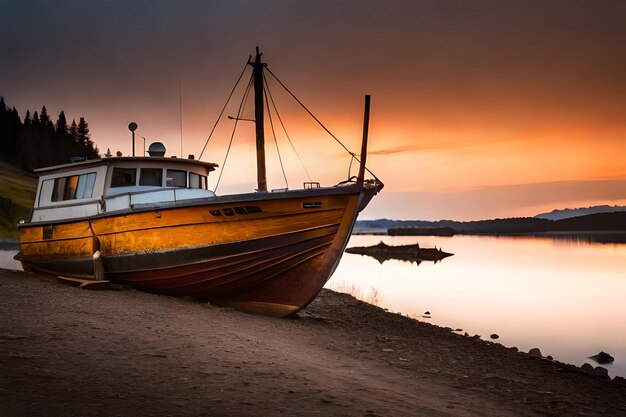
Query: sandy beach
[{"x": 121, "y": 352}]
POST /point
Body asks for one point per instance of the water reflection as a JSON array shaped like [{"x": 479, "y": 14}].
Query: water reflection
[
  {"x": 7, "y": 252},
  {"x": 564, "y": 296},
  {"x": 584, "y": 237}
]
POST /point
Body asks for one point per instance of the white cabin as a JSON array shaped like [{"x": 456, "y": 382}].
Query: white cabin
[{"x": 92, "y": 187}]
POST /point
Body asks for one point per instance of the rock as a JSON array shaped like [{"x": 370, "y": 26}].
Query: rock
[
  {"x": 600, "y": 371},
  {"x": 494, "y": 336},
  {"x": 586, "y": 367},
  {"x": 535, "y": 353},
  {"x": 602, "y": 358},
  {"x": 466, "y": 334},
  {"x": 619, "y": 380},
  {"x": 549, "y": 357},
  {"x": 427, "y": 312}
]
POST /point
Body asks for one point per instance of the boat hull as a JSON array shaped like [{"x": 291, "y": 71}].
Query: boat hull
[{"x": 264, "y": 253}]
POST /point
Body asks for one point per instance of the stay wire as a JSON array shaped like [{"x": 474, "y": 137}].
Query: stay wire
[
  {"x": 224, "y": 108},
  {"x": 232, "y": 136},
  {"x": 318, "y": 121},
  {"x": 285, "y": 129},
  {"x": 269, "y": 115}
]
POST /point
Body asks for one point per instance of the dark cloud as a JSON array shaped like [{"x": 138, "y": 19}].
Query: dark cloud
[{"x": 422, "y": 145}]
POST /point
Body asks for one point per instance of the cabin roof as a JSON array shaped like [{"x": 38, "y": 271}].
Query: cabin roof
[{"x": 210, "y": 166}]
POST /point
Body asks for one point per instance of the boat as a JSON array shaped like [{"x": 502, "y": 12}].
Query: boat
[{"x": 153, "y": 223}]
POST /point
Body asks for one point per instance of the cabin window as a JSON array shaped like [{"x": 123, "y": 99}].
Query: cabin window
[
  {"x": 73, "y": 187},
  {"x": 197, "y": 181},
  {"x": 64, "y": 188},
  {"x": 151, "y": 176},
  {"x": 176, "y": 178},
  {"x": 85, "y": 185},
  {"x": 124, "y": 177}
]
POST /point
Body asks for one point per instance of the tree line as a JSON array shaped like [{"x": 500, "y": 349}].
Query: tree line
[{"x": 37, "y": 142}]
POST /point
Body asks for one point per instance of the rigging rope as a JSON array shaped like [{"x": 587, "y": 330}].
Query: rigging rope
[
  {"x": 269, "y": 115},
  {"x": 232, "y": 136},
  {"x": 285, "y": 129},
  {"x": 318, "y": 121},
  {"x": 224, "y": 108}
]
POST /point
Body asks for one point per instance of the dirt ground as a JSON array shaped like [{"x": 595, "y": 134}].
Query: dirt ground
[{"x": 71, "y": 352}]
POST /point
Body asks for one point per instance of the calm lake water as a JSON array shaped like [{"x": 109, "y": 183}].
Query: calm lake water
[{"x": 566, "y": 297}]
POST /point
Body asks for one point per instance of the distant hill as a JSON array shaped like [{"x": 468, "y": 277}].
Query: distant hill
[
  {"x": 17, "y": 194},
  {"x": 615, "y": 221},
  {"x": 578, "y": 212}
]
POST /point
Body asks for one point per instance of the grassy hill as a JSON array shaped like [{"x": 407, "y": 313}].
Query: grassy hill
[{"x": 17, "y": 193}]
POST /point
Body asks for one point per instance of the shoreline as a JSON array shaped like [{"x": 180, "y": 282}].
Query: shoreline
[{"x": 66, "y": 351}]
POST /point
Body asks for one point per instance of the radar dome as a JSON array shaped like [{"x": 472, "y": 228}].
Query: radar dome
[{"x": 156, "y": 149}]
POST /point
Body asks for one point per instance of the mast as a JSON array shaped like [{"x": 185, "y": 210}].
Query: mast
[
  {"x": 257, "y": 74},
  {"x": 366, "y": 122}
]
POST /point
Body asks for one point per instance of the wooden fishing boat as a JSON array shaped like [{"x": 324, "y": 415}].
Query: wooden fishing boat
[{"x": 151, "y": 222}]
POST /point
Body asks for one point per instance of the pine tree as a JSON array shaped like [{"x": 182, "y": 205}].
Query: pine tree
[
  {"x": 5, "y": 116},
  {"x": 83, "y": 133},
  {"x": 13, "y": 128},
  {"x": 86, "y": 145},
  {"x": 73, "y": 134},
  {"x": 44, "y": 119},
  {"x": 61, "y": 126}
]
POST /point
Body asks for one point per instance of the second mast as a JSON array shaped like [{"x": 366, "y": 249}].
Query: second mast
[{"x": 257, "y": 74}]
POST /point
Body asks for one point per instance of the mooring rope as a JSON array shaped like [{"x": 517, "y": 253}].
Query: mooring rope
[
  {"x": 318, "y": 121},
  {"x": 269, "y": 93},
  {"x": 224, "y": 108},
  {"x": 269, "y": 115},
  {"x": 232, "y": 136}
]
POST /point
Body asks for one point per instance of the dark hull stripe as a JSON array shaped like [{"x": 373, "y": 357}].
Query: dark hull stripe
[
  {"x": 214, "y": 273},
  {"x": 239, "y": 281}
]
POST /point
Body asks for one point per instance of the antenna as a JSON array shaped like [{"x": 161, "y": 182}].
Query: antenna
[{"x": 180, "y": 110}]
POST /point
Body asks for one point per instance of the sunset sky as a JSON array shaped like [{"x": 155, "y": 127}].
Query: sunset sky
[{"x": 480, "y": 109}]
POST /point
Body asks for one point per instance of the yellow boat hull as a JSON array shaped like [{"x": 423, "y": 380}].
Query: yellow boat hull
[{"x": 263, "y": 253}]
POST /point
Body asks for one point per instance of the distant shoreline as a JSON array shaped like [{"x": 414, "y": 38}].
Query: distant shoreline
[
  {"x": 601, "y": 224},
  {"x": 602, "y": 236}
]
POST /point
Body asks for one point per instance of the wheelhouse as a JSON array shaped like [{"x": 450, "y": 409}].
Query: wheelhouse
[{"x": 95, "y": 187}]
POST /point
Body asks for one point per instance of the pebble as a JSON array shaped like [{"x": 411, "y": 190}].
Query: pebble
[
  {"x": 600, "y": 371},
  {"x": 586, "y": 367},
  {"x": 535, "y": 353}
]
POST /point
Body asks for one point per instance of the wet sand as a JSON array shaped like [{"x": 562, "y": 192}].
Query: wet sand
[{"x": 72, "y": 352}]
